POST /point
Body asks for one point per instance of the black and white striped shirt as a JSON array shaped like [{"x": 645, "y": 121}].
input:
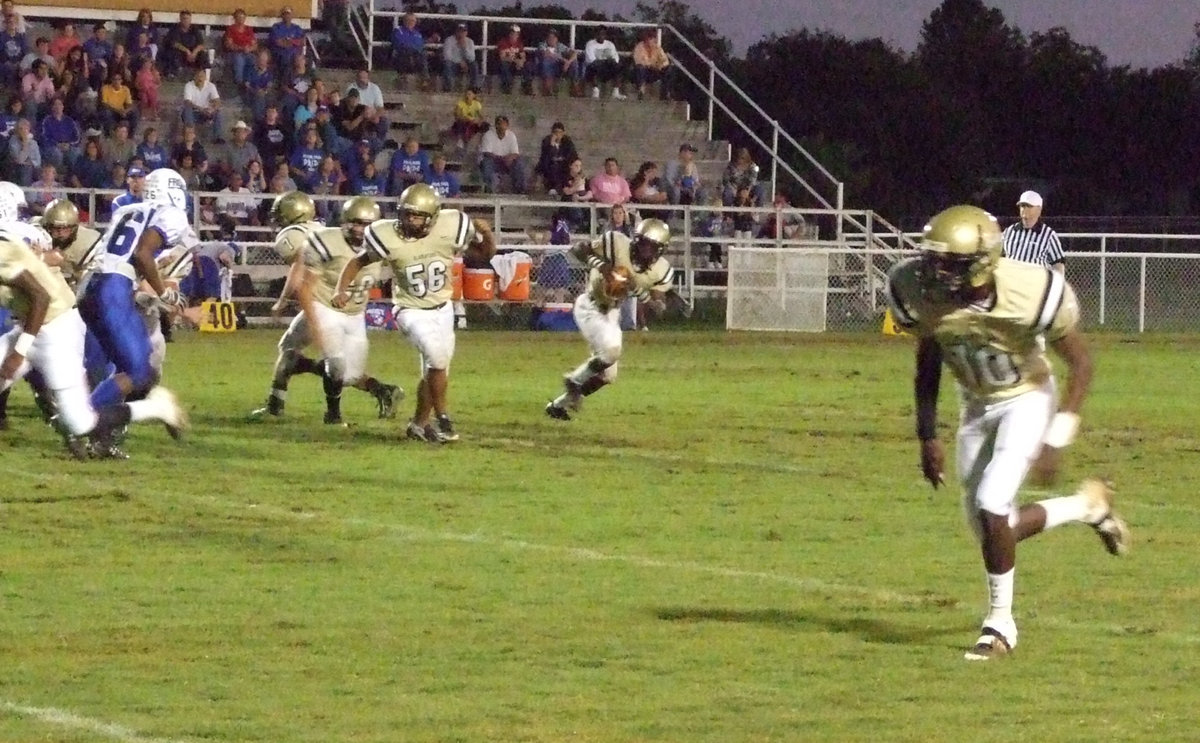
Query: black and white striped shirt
[{"x": 1039, "y": 244}]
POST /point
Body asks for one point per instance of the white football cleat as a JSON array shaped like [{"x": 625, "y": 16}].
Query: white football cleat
[
  {"x": 1111, "y": 528},
  {"x": 169, "y": 411}
]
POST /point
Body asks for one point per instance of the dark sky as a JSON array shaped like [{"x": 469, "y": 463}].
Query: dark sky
[{"x": 1141, "y": 33}]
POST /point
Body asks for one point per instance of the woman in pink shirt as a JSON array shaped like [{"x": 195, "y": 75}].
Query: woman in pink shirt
[
  {"x": 64, "y": 41},
  {"x": 610, "y": 187}
]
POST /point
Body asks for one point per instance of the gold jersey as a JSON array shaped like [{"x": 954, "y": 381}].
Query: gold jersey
[
  {"x": 290, "y": 241},
  {"x": 614, "y": 248},
  {"x": 17, "y": 258},
  {"x": 991, "y": 347},
  {"x": 421, "y": 268},
  {"x": 326, "y": 254}
]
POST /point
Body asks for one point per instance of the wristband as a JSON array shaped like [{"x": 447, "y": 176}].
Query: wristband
[
  {"x": 1061, "y": 431},
  {"x": 23, "y": 344}
]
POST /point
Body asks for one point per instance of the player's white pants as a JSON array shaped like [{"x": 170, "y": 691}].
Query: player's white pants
[
  {"x": 997, "y": 444},
  {"x": 602, "y": 331},
  {"x": 151, "y": 314},
  {"x": 432, "y": 332},
  {"x": 342, "y": 339},
  {"x": 57, "y": 353}
]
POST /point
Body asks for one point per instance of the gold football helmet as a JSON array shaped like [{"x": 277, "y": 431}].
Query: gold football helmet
[
  {"x": 61, "y": 220},
  {"x": 291, "y": 208},
  {"x": 357, "y": 214},
  {"x": 419, "y": 207},
  {"x": 650, "y": 240},
  {"x": 962, "y": 246}
]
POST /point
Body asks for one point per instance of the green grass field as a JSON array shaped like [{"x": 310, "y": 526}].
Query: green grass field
[{"x": 732, "y": 544}]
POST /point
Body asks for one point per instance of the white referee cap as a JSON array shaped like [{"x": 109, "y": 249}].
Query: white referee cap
[{"x": 1030, "y": 198}]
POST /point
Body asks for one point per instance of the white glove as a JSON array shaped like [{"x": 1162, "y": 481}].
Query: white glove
[{"x": 171, "y": 297}]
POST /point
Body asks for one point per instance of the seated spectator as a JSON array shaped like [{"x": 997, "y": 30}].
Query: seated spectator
[
  {"x": 602, "y": 64},
  {"x": 468, "y": 118},
  {"x": 99, "y": 50},
  {"x": 609, "y": 186},
  {"x": 121, "y": 62},
  {"x": 555, "y": 60},
  {"x": 90, "y": 170},
  {"x": 557, "y": 153},
  {"x": 683, "y": 178},
  {"x": 286, "y": 42},
  {"x": 576, "y": 191},
  {"x": 458, "y": 58},
  {"x": 369, "y": 182},
  {"x": 59, "y": 138},
  {"x": 183, "y": 47},
  {"x": 237, "y": 202},
  {"x": 297, "y": 83},
  {"x": 256, "y": 179},
  {"x": 651, "y": 64},
  {"x": 14, "y": 110},
  {"x": 116, "y": 105},
  {"x": 37, "y": 88},
  {"x": 64, "y": 41},
  {"x": 41, "y": 50},
  {"x": 307, "y": 111},
  {"x": 273, "y": 139},
  {"x": 119, "y": 148},
  {"x": 189, "y": 144},
  {"x": 24, "y": 155},
  {"x": 328, "y": 182},
  {"x": 409, "y": 165},
  {"x": 408, "y": 48},
  {"x": 13, "y": 48},
  {"x": 354, "y": 162},
  {"x": 441, "y": 180},
  {"x": 499, "y": 152},
  {"x": 133, "y": 37},
  {"x": 647, "y": 188},
  {"x": 141, "y": 52},
  {"x": 202, "y": 103},
  {"x": 514, "y": 61},
  {"x": 284, "y": 174},
  {"x": 793, "y": 224},
  {"x": 135, "y": 187},
  {"x": 306, "y": 160},
  {"x": 45, "y": 189},
  {"x": 240, "y": 45},
  {"x": 9, "y": 9},
  {"x": 153, "y": 154},
  {"x": 148, "y": 81},
  {"x": 236, "y": 156},
  {"x": 741, "y": 172},
  {"x": 371, "y": 96},
  {"x": 258, "y": 84},
  {"x": 332, "y": 141},
  {"x": 349, "y": 118}
]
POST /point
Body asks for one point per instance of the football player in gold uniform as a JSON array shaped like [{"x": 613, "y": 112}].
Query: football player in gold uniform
[
  {"x": 982, "y": 315},
  {"x": 420, "y": 246},
  {"x": 620, "y": 267}
]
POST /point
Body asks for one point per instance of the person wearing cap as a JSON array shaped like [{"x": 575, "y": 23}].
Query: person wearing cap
[
  {"x": 1030, "y": 240},
  {"x": 286, "y": 41},
  {"x": 682, "y": 177},
  {"x": 408, "y": 48},
  {"x": 135, "y": 187},
  {"x": 238, "y": 154},
  {"x": 514, "y": 61},
  {"x": 458, "y": 58},
  {"x": 554, "y": 161},
  {"x": 602, "y": 64},
  {"x": 556, "y": 59},
  {"x": 202, "y": 102}
]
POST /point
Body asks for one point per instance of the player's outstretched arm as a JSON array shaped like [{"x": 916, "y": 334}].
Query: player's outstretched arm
[
  {"x": 39, "y": 305},
  {"x": 926, "y": 384}
]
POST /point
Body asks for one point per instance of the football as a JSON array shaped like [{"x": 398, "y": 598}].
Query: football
[{"x": 618, "y": 282}]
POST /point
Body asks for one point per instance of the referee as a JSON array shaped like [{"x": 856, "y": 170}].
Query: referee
[{"x": 1031, "y": 240}]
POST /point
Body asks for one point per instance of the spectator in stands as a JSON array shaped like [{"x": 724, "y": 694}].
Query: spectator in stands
[
  {"x": 555, "y": 60},
  {"x": 609, "y": 186},
  {"x": 45, "y": 189},
  {"x": 307, "y": 111},
  {"x": 141, "y": 52},
  {"x": 619, "y": 221},
  {"x": 576, "y": 192},
  {"x": 744, "y": 223},
  {"x": 356, "y": 161},
  {"x": 64, "y": 41},
  {"x": 135, "y": 187},
  {"x": 554, "y": 160},
  {"x": 189, "y": 144},
  {"x": 90, "y": 170},
  {"x": 328, "y": 182},
  {"x": 602, "y": 64},
  {"x": 120, "y": 148},
  {"x": 350, "y": 119},
  {"x": 237, "y": 202},
  {"x": 153, "y": 154},
  {"x": 237, "y": 155},
  {"x": 256, "y": 179},
  {"x": 258, "y": 84},
  {"x": 98, "y": 49},
  {"x": 121, "y": 62},
  {"x": 330, "y": 139},
  {"x": 13, "y": 47},
  {"x": 682, "y": 178},
  {"x": 240, "y": 45},
  {"x": 183, "y": 48},
  {"x": 284, "y": 174},
  {"x": 9, "y": 9},
  {"x": 116, "y": 104},
  {"x": 286, "y": 42},
  {"x": 371, "y": 96},
  {"x": 202, "y": 103},
  {"x": 409, "y": 165},
  {"x": 24, "y": 155},
  {"x": 148, "y": 81},
  {"x": 646, "y": 187},
  {"x": 742, "y": 172},
  {"x": 273, "y": 139},
  {"x": 37, "y": 87},
  {"x": 458, "y": 58},
  {"x": 408, "y": 48},
  {"x": 514, "y": 61},
  {"x": 468, "y": 118},
  {"x": 499, "y": 152},
  {"x": 651, "y": 64},
  {"x": 14, "y": 109},
  {"x": 143, "y": 25},
  {"x": 306, "y": 160},
  {"x": 298, "y": 82},
  {"x": 441, "y": 180},
  {"x": 41, "y": 50},
  {"x": 116, "y": 180},
  {"x": 369, "y": 182},
  {"x": 59, "y": 137},
  {"x": 793, "y": 224}
]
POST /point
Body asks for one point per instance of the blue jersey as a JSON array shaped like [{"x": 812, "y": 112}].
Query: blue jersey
[
  {"x": 125, "y": 199},
  {"x": 128, "y": 225}
]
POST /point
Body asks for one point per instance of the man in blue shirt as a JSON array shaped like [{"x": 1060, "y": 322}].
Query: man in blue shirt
[
  {"x": 409, "y": 165},
  {"x": 13, "y": 48},
  {"x": 135, "y": 186},
  {"x": 408, "y": 48},
  {"x": 441, "y": 180},
  {"x": 98, "y": 50},
  {"x": 59, "y": 137},
  {"x": 286, "y": 41}
]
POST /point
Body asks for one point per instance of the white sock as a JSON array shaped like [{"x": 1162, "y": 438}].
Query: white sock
[
  {"x": 582, "y": 373},
  {"x": 1000, "y": 590},
  {"x": 1064, "y": 510},
  {"x": 560, "y": 401},
  {"x": 143, "y": 410}
]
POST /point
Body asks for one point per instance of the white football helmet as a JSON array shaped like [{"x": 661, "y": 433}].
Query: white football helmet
[
  {"x": 10, "y": 209},
  {"x": 15, "y": 191},
  {"x": 165, "y": 186}
]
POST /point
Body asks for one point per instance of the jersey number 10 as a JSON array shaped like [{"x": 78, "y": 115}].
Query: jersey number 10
[{"x": 988, "y": 367}]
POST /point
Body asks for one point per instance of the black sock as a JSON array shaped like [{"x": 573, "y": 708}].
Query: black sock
[
  {"x": 4, "y": 402},
  {"x": 590, "y": 386},
  {"x": 333, "y": 396},
  {"x": 305, "y": 365},
  {"x": 373, "y": 386}
]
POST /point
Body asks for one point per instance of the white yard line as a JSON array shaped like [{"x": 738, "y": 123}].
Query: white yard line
[{"x": 63, "y": 719}]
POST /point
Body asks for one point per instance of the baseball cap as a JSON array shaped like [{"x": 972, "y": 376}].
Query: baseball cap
[
  {"x": 515, "y": 29},
  {"x": 1031, "y": 198},
  {"x": 241, "y": 125},
  {"x": 136, "y": 172}
]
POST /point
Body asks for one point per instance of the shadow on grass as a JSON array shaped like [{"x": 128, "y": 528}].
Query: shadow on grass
[{"x": 866, "y": 628}]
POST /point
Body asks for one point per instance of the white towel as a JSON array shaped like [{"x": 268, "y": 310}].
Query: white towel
[{"x": 505, "y": 267}]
